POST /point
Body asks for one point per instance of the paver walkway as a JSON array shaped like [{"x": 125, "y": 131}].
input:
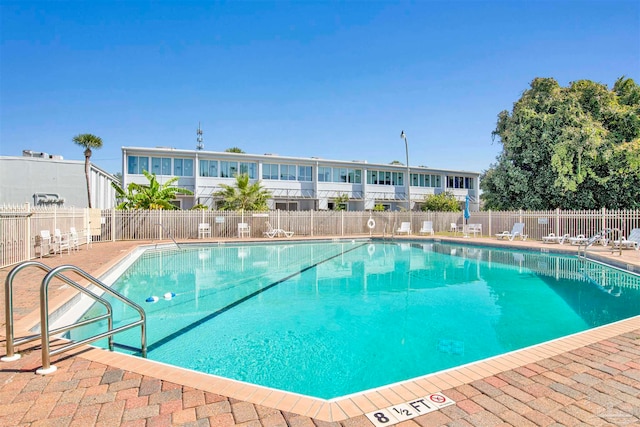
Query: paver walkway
[{"x": 594, "y": 385}]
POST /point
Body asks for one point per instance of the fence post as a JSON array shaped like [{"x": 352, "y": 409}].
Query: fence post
[
  {"x": 557, "y": 221},
  {"x": 311, "y": 220},
  {"x": 113, "y": 225},
  {"x": 604, "y": 219},
  {"x": 342, "y": 223},
  {"x": 490, "y": 232},
  {"x": 28, "y": 247}
]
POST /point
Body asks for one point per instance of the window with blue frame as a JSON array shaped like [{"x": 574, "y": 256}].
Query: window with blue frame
[
  {"x": 324, "y": 174},
  {"x": 305, "y": 173},
  {"x": 249, "y": 169},
  {"x": 161, "y": 165},
  {"x": 270, "y": 171},
  {"x": 288, "y": 172},
  {"x": 136, "y": 164},
  {"x": 209, "y": 168},
  {"x": 228, "y": 169},
  {"x": 183, "y": 167}
]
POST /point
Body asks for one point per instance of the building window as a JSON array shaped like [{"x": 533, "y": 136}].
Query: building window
[
  {"x": 354, "y": 176},
  {"x": 305, "y": 173},
  {"x": 135, "y": 164},
  {"x": 387, "y": 178},
  {"x": 228, "y": 169},
  {"x": 183, "y": 167},
  {"x": 288, "y": 172},
  {"x": 339, "y": 175},
  {"x": 324, "y": 174},
  {"x": 397, "y": 178},
  {"x": 161, "y": 165},
  {"x": 209, "y": 168},
  {"x": 459, "y": 182},
  {"x": 249, "y": 169},
  {"x": 269, "y": 171}
]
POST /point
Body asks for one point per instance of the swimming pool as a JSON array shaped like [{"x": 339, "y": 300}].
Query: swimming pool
[{"x": 330, "y": 319}]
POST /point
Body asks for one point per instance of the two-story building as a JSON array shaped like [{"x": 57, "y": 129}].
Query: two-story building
[{"x": 297, "y": 183}]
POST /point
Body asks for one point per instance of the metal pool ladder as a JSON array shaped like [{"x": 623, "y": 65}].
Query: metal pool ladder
[
  {"x": 595, "y": 238},
  {"x": 45, "y": 333}
]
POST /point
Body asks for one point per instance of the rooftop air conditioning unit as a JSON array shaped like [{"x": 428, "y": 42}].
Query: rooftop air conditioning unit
[{"x": 29, "y": 153}]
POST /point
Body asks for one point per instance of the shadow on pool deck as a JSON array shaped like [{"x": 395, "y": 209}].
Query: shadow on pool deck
[{"x": 593, "y": 379}]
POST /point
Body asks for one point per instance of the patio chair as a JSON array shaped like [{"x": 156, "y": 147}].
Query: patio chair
[
  {"x": 204, "y": 230},
  {"x": 273, "y": 232},
  {"x": 74, "y": 240},
  {"x": 516, "y": 231},
  {"x": 405, "y": 227},
  {"x": 45, "y": 241},
  {"x": 475, "y": 229},
  {"x": 427, "y": 227},
  {"x": 61, "y": 242},
  {"x": 244, "y": 230},
  {"x": 453, "y": 228}
]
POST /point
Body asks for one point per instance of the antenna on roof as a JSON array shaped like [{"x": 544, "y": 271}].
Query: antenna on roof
[{"x": 200, "y": 145}]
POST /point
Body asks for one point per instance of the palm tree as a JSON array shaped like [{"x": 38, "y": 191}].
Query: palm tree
[
  {"x": 234, "y": 150},
  {"x": 151, "y": 196},
  {"x": 88, "y": 141},
  {"x": 243, "y": 196}
]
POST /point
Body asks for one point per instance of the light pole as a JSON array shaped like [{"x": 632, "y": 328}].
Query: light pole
[{"x": 406, "y": 149}]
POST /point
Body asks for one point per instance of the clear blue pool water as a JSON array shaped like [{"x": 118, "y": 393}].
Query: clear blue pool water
[{"x": 330, "y": 319}]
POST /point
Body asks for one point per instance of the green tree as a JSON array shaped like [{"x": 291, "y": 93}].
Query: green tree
[
  {"x": 234, "y": 150},
  {"x": 443, "y": 202},
  {"x": 150, "y": 196},
  {"x": 378, "y": 208},
  {"x": 243, "y": 196},
  {"x": 88, "y": 141},
  {"x": 573, "y": 148},
  {"x": 396, "y": 162},
  {"x": 340, "y": 202}
]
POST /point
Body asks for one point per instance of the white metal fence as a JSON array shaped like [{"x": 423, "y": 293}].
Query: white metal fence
[{"x": 20, "y": 226}]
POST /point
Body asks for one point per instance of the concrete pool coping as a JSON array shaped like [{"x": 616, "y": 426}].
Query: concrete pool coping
[{"x": 352, "y": 407}]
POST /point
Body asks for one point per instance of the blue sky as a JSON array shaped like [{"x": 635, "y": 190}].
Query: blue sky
[{"x": 336, "y": 80}]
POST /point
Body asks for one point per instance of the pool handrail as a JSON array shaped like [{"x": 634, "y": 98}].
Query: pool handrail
[
  {"x": 45, "y": 333},
  {"x": 8, "y": 298}
]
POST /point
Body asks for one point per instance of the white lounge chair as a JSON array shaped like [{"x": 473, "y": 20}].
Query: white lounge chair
[
  {"x": 552, "y": 238},
  {"x": 405, "y": 227},
  {"x": 204, "y": 230},
  {"x": 580, "y": 239},
  {"x": 516, "y": 231},
  {"x": 244, "y": 230},
  {"x": 273, "y": 232},
  {"x": 427, "y": 227},
  {"x": 632, "y": 242},
  {"x": 453, "y": 228}
]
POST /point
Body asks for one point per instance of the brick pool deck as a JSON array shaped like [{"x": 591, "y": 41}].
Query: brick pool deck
[{"x": 588, "y": 379}]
